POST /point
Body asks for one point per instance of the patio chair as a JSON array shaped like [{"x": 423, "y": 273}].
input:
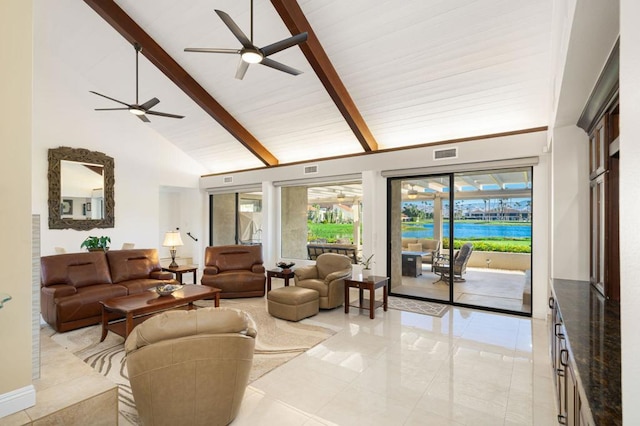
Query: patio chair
[{"x": 460, "y": 259}]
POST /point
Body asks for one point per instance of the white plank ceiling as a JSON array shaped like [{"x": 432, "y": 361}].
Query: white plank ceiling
[{"x": 419, "y": 71}]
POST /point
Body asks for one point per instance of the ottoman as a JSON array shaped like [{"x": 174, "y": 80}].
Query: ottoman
[{"x": 293, "y": 303}]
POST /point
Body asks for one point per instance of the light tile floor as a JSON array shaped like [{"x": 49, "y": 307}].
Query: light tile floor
[{"x": 466, "y": 368}]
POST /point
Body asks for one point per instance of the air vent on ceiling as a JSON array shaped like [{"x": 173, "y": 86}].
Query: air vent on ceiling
[
  {"x": 441, "y": 154},
  {"x": 310, "y": 170},
  {"x": 227, "y": 179}
]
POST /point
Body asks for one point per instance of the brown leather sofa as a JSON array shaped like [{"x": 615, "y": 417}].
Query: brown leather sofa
[
  {"x": 72, "y": 285},
  {"x": 191, "y": 367},
  {"x": 237, "y": 270}
]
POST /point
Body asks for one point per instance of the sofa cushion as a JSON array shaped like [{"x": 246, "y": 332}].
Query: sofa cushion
[
  {"x": 133, "y": 264},
  {"x": 234, "y": 260},
  {"x": 407, "y": 241},
  {"x": 84, "y": 303},
  {"x": 77, "y": 269}
]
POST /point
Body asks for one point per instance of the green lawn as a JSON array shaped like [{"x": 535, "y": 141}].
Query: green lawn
[{"x": 332, "y": 231}]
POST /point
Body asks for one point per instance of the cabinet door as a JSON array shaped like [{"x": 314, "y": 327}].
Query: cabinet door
[
  {"x": 572, "y": 396},
  {"x": 598, "y": 149},
  {"x": 598, "y": 227}
]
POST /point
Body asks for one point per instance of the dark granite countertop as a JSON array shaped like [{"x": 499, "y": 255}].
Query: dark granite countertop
[{"x": 592, "y": 325}]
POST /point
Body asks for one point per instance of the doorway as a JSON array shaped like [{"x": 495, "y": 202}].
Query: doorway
[{"x": 463, "y": 238}]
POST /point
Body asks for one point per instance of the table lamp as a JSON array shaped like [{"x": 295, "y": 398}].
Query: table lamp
[{"x": 172, "y": 239}]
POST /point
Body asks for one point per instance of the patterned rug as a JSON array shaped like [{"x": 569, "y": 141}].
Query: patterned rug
[
  {"x": 277, "y": 342},
  {"x": 417, "y": 306}
]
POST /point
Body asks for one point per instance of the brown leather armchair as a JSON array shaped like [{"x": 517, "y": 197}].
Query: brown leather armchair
[
  {"x": 326, "y": 277},
  {"x": 191, "y": 367},
  {"x": 235, "y": 269}
]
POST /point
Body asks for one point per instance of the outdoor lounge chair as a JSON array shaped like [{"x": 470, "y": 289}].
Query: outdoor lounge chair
[{"x": 460, "y": 259}]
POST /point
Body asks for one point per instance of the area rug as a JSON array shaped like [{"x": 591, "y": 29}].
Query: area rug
[
  {"x": 277, "y": 342},
  {"x": 417, "y": 306}
]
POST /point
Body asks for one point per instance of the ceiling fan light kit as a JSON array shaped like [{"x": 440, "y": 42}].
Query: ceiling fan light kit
[
  {"x": 252, "y": 57},
  {"x": 250, "y": 53},
  {"x": 136, "y": 109}
]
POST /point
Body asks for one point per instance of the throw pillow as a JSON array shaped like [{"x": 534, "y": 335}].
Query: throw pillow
[{"x": 415, "y": 247}]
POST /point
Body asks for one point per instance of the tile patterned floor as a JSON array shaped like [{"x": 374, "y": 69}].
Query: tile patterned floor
[{"x": 466, "y": 368}]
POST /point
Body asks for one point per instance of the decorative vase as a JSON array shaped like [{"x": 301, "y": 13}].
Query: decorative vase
[{"x": 366, "y": 273}]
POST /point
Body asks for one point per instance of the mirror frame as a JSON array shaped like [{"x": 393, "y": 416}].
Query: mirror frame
[{"x": 80, "y": 155}]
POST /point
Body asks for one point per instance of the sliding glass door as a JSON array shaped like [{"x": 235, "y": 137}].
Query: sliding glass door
[
  {"x": 463, "y": 238},
  {"x": 236, "y": 218},
  {"x": 419, "y": 229}
]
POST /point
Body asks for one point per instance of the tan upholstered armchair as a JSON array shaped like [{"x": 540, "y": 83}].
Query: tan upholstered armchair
[
  {"x": 326, "y": 277},
  {"x": 191, "y": 367},
  {"x": 237, "y": 270}
]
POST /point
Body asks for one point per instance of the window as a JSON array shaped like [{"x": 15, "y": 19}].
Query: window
[{"x": 320, "y": 215}]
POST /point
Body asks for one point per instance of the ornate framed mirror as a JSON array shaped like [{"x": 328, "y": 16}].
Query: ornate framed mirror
[{"x": 80, "y": 189}]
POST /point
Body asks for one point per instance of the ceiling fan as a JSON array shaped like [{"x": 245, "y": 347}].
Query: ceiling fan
[
  {"x": 141, "y": 110},
  {"x": 250, "y": 53}
]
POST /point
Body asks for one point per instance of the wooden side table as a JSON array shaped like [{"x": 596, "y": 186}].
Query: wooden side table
[
  {"x": 179, "y": 270},
  {"x": 285, "y": 274},
  {"x": 371, "y": 283}
]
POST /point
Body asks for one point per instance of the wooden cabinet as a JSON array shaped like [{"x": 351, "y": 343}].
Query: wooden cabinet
[{"x": 571, "y": 409}]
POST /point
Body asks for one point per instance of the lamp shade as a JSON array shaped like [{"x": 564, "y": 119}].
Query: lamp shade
[{"x": 172, "y": 239}]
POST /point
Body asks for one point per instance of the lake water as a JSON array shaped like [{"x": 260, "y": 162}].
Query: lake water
[{"x": 467, "y": 230}]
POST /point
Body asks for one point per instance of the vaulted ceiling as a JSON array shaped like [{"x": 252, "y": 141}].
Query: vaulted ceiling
[{"x": 377, "y": 74}]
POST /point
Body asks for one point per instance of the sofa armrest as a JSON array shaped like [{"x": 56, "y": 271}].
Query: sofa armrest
[
  {"x": 59, "y": 290},
  {"x": 210, "y": 270},
  {"x": 305, "y": 272},
  {"x": 257, "y": 268},
  {"x": 343, "y": 273},
  {"x": 161, "y": 275}
]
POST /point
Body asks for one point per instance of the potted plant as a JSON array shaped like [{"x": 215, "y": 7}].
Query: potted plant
[
  {"x": 366, "y": 263},
  {"x": 96, "y": 243}
]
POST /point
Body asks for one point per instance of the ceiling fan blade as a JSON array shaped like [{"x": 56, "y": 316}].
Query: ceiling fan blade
[
  {"x": 280, "y": 67},
  {"x": 150, "y": 103},
  {"x": 144, "y": 118},
  {"x": 242, "y": 69},
  {"x": 235, "y": 29},
  {"x": 111, "y": 109},
  {"x": 111, "y": 99},
  {"x": 210, "y": 50},
  {"x": 163, "y": 114},
  {"x": 284, "y": 44}
]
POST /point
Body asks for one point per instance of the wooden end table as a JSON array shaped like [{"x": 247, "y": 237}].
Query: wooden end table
[
  {"x": 138, "y": 307},
  {"x": 285, "y": 274},
  {"x": 179, "y": 270},
  {"x": 371, "y": 283}
]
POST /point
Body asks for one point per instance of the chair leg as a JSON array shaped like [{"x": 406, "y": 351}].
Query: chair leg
[{"x": 442, "y": 278}]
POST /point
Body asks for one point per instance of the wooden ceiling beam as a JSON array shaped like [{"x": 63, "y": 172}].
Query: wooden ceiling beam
[
  {"x": 297, "y": 22},
  {"x": 133, "y": 33}
]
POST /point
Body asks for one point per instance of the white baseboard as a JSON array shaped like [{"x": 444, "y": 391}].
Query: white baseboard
[{"x": 17, "y": 400}]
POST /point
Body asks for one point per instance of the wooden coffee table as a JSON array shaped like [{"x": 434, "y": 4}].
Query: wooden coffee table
[{"x": 135, "y": 308}]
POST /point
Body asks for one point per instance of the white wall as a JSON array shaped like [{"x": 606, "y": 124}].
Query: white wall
[
  {"x": 375, "y": 201},
  {"x": 64, "y": 116},
  {"x": 16, "y": 391},
  {"x": 570, "y": 156},
  {"x": 629, "y": 208}
]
